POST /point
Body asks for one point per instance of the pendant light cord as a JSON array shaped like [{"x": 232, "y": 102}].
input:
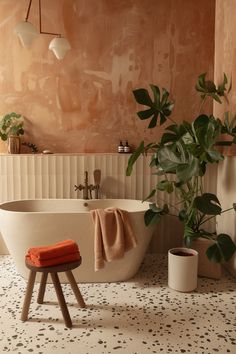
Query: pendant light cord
[
  {"x": 40, "y": 23},
  {"x": 28, "y": 10},
  {"x": 40, "y": 19}
]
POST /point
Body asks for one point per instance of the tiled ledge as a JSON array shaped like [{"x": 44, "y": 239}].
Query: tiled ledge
[{"x": 30, "y": 176}]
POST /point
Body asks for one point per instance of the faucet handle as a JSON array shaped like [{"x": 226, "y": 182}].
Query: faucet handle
[
  {"x": 80, "y": 187},
  {"x": 97, "y": 177},
  {"x": 86, "y": 176}
]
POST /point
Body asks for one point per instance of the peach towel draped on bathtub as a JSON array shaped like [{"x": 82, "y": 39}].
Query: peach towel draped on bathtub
[{"x": 113, "y": 235}]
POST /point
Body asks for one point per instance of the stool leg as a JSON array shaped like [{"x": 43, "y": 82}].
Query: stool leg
[
  {"x": 75, "y": 288},
  {"x": 28, "y": 296},
  {"x": 61, "y": 300},
  {"x": 42, "y": 288}
]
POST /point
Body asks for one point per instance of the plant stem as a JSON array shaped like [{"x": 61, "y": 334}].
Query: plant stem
[
  {"x": 213, "y": 216},
  {"x": 202, "y": 104}
]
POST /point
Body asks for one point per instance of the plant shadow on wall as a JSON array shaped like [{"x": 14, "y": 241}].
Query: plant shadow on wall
[{"x": 181, "y": 159}]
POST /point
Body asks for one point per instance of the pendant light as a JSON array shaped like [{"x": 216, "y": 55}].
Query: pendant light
[
  {"x": 27, "y": 32},
  {"x": 59, "y": 46}
]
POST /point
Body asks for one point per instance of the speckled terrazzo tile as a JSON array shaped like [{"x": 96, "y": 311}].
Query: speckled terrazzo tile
[{"x": 135, "y": 317}]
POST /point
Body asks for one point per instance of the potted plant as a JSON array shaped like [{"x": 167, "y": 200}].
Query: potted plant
[
  {"x": 181, "y": 159},
  {"x": 11, "y": 127}
]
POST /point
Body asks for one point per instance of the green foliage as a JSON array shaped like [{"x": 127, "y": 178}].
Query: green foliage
[
  {"x": 222, "y": 250},
  {"x": 158, "y": 107},
  {"x": 181, "y": 158},
  {"x": 208, "y": 88},
  {"x": 11, "y": 124},
  {"x": 208, "y": 203}
]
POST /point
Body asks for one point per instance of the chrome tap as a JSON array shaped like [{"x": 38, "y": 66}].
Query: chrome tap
[{"x": 87, "y": 188}]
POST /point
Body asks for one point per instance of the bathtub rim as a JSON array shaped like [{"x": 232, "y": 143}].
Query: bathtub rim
[{"x": 21, "y": 201}]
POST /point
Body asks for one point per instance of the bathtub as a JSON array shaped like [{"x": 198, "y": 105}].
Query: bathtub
[{"x": 30, "y": 223}]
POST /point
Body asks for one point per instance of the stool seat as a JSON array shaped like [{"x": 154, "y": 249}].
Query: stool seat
[{"x": 53, "y": 270}]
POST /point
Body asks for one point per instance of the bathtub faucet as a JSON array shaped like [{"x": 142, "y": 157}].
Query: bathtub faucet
[{"x": 87, "y": 188}]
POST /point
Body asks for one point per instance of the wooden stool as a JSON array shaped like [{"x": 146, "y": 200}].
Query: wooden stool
[{"x": 53, "y": 270}]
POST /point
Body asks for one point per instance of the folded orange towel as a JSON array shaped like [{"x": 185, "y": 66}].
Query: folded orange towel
[
  {"x": 71, "y": 257},
  {"x": 113, "y": 235},
  {"x": 56, "y": 250}
]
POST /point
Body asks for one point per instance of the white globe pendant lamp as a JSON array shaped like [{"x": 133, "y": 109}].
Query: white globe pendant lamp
[
  {"x": 59, "y": 46},
  {"x": 26, "y": 32}
]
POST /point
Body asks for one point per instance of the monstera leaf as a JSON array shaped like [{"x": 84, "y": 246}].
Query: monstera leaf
[
  {"x": 168, "y": 159},
  {"x": 222, "y": 250},
  {"x": 208, "y": 204},
  {"x": 160, "y": 106},
  {"x": 173, "y": 160}
]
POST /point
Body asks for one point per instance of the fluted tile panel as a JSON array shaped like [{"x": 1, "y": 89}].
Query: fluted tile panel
[{"x": 54, "y": 176}]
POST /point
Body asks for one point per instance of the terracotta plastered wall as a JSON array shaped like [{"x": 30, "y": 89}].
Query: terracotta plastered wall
[
  {"x": 85, "y": 103},
  {"x": 225, "y": 56}
]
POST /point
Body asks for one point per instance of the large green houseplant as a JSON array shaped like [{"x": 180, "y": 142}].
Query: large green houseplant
[{"x": 181, "y": 159}]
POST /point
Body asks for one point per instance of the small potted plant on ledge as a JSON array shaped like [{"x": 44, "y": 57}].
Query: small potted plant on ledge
[
  {"x": 181, "y": 159},
  {"x": 11, "y": 127}
]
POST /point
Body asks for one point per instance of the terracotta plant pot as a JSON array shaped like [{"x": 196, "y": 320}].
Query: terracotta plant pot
[
  {"x": 13, "y": 144},
  {"x": 206, "y": 268},
  {"x": 182, "y": 269}
]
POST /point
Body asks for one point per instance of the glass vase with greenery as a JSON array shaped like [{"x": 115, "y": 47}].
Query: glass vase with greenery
[{"x": 11, "y": 124}]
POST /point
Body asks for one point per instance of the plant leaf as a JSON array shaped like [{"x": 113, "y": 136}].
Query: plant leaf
[
  {"x": 153, "y": 122},
  {"x": 156, "y": 94},
  {"x": 151, "y": 218},
  {"x": 213, "y": 253},
  {"x": 214, "y": 156},
  {"x": 145, "y": 114},
  {"x": 183, "y": 215},
  {"x": 153, "y": 192},
  {"x": 186, "y": 171},
  {"x": 165, "y": 186},
  {"x": 142, "y": 97},
  {"x": 208, "y": 204},
  {"x": 155, "y": 208},
  {"x": 222, "y": 250},
  {"x": 226, "y": 245},
  {"x": 168, "y": 159},
  {"x": 133, "y": 158},
  {"x": 159, "y": 106},
  {"x": 216, "y": 97}
]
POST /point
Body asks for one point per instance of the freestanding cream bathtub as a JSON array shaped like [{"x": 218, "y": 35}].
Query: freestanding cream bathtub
[{"x": 30, "y": 223}]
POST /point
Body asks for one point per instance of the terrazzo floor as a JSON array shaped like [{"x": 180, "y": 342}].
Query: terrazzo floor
[{"x": 138, "y": 316}]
